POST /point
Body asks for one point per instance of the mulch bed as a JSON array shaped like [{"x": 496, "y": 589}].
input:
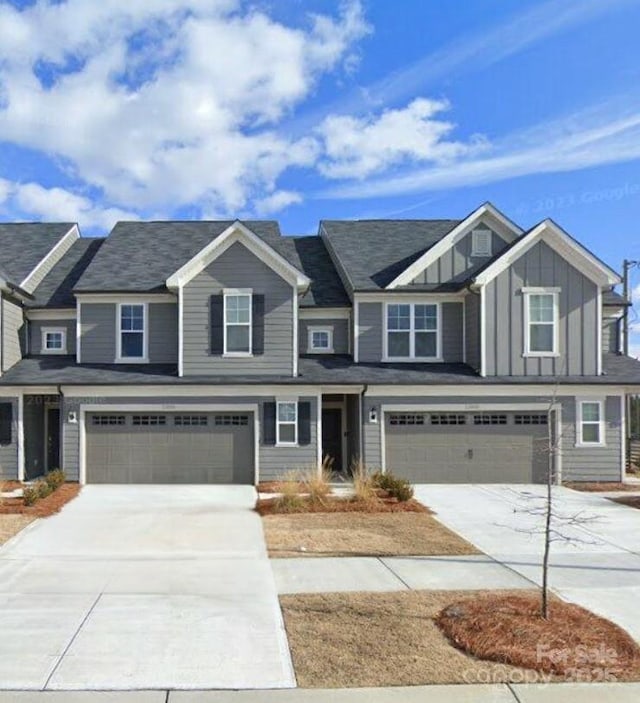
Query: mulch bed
[
  {"x": 271, "y": 506},
  {"x": 45, "y": 506},
  {"x": 573, "y": 643},
  {"x": 631, "y": 501},
  {"x": 595, "y": 487}
]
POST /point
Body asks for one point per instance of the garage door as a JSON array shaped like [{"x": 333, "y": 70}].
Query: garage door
[
  {"x": 169, "y": 447},
  {"x": 467, "y": 447}
]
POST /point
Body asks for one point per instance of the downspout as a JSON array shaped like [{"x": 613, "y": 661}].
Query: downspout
[{"x": 60, "y": 432}]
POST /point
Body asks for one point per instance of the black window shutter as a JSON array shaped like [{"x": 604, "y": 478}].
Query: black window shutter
[
  {"x": 304, "y": 423},
  {"x": 6, "y": 420},
  {"x": 269, "y": 423},
  {"x": 258, "y": 324},
  {"x": 216, "y": 324}
]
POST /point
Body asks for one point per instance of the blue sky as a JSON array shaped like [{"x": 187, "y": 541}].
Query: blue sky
[{"x": 303, "y": 109}]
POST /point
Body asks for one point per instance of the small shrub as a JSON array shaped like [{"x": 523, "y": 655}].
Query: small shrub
[
  {"x": 363, "y": 487},
  {"x": 30, "y": 495},
  {"x": 43, "y": 488},
  {"x": 397, "y": 488},
  {"x": 289, "y": 499},
  {"x": 55, "y": 478}
]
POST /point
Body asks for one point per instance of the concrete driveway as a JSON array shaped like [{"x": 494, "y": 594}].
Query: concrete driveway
[
  {"x": 134, "y": 587},
  {"x": 601, "y": 572}
]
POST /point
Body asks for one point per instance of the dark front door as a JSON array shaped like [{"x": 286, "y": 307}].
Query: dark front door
[
  {"x": 332, "y": 436},
  {"x": 53, "y": 438}
]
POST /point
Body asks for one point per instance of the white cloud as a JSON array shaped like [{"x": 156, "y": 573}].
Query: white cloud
[
  {"x": 189, "y": 116},
  {"x": 359, "y": 147},
  {"x": 58, "y": 204},
  {"x": 277, "y": 201}
]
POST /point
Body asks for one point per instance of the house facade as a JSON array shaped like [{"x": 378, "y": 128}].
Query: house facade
[{"x": 223, "y": 352}]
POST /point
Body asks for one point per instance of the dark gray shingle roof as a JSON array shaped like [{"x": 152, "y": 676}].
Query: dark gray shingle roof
[
  {"x": 611, "y": 297},
  {"x": 335, "y": 370},
  {"x": 374, "y": 252},
  {"x": 55, "y": 291},
  {"x": 24, "y": 244}
]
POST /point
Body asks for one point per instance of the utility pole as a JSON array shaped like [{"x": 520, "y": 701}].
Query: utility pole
[{"x": 627, "y": 265}]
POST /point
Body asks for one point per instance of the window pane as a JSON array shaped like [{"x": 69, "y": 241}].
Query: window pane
[
  {"x": 426, "y": 344},
  {"x": 132, "y": 344},
  {"x": 425, "y": 317},
  {"x": 320, "y": 340},
  {"x": 541, "y": 338},
  {"x": 399, "y": 317},
  {"x": 287, "y": 433},
  {"x": 53, "y": 340},
  {"x": 541, "y": 308},
  {"x": 132, "y": 317},
  {"x": 238, "y": 338},
  {"x": 238, "y": 308},
  {"x": 590, "y": 412},
  {"x": 398, "y": 344},
  {"x": 286, "y": 412},
  {"x": 591, "y": 433}
]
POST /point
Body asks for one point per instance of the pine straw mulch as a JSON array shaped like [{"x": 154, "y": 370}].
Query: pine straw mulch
[
  {"x": 573, "y": 643},
  {"x": 360, "y": 534},
  {"x": 631, "y": 501},
  {"x": 342, "y": 640},
  {"x": 602, "y": 487},
  {"x": 332, "y": 504},
  {"x": 45, "y": 506}
]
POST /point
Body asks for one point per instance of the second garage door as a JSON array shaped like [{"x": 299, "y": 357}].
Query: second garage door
[
  {"x": 467, "y": 447},
  {"x": 161, "y": 447}
]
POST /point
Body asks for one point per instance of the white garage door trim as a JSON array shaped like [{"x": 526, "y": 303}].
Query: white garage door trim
[
  {"x": 179, "y": 407},
  {"x": 467, "y": 408}
]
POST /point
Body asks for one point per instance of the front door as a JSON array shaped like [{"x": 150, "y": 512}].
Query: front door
[
  {"x": 53, "y": 438},
  {"x": 332, "y": 436}
]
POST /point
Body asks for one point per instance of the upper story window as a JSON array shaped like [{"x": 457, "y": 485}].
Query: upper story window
[
  {"x": 54, "y": 340},
  {"x": 132, "y": 342},
  {"x": 590, "y": 425},
  {"x": 237, "y": 322},
  {"x": 481, "y": 242},
  {"x": 541, "y": 322},
  {"x": 413, "y": 331},
  {"x": 320, "y": 339}
]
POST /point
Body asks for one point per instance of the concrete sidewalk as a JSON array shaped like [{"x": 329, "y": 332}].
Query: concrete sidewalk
[{"x": 490, "y": 693}]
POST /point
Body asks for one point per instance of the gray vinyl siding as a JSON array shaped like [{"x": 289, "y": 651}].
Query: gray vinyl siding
[
  {"x": 370, "y": 330},
  {"x": 578, "y": 464},
  {"x": 541, "y": 266},
  {"x": 274, "y": 461},
  {"x": 457, "y": 264},
  {"x": 47, "y": 265},
  {"x": 237, "y": 267},
  {"x": 9, "y": 452},
  {"x": 472, "y": 330},
  {"x": 35, "y": 334},
  {"x": 99, "y": 330},
  {"x": 12, "y": 333},
  {"x": 452, "y": 327},
  {"x": 610, "y": 335},
  {"x": 340, "y": 334}
]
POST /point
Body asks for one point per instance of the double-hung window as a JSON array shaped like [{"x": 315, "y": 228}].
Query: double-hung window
[
  {"x": 412, "y": 331},
  {"x": 541, "y": 322},
  {"x": 590, "y": 429},
  {"x": 286, "y": 422},
  {"x": 132, "y": 343},
  {"x": 237, "y": 322},
  {"x": 54, "y": 340}
]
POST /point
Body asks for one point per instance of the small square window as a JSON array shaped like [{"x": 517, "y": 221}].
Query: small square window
[
  {"x": 54, "y": 341},
  {"x": 320, "y": 339}
]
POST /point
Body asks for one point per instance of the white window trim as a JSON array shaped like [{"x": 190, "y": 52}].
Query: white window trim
[
  {"x": 229, "y": 292},
  {"x": 53, "y": 330},
  {"x": 144, "y": 359},
  {"x": 526, "y": 297},
  {"x": 286, "y": 401},
  {"x": 411, "y": 330},
  {"x": 321, "y": 350},
  {"x": 601, "y": 422},
  {"x": 477, "y": 251}
]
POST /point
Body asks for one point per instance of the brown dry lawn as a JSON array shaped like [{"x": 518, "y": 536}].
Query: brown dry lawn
[
  {"x": 603, "y": 487},
  {"x": 631, "y": 501},
  {"x": 360, "y": 534},
  {"x": 341, "y": 640},
  {"x": 10, "y": 525}
]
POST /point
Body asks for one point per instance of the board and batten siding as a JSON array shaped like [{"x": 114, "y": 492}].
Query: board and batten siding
[
  {"x": 340, "y": 334},
  {"x": 457, "y": 264},
  {"x": 99, "y": 330},
  {"x": 610, "y": 335},
  {"x": 9, "y": 452},
  {"x": 578, "y": 463},
  {"x": 237, "y": 267},
  {"x": 274, "y": 461},
  {"x": 472, "y": 330},
  {"x": 542, "y": 267},
  {"x": 35, "y": 334},
  {"x": 12, "y": 322}
]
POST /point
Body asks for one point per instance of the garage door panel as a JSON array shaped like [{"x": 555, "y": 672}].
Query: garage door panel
[
  {"x": 170, "y": 448},
  {"x": 467, "y": 447}
]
